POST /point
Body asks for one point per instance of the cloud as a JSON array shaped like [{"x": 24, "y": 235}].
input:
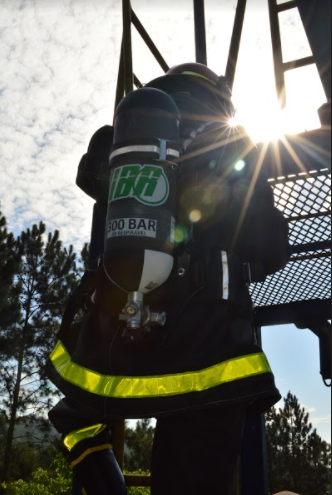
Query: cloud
[
  {"x": 59, "y": 67},
  {"x": 321, "y": 420},
  {"x": 59, "y": 63},
  {"x": 57, "y": 87},
  {"x": 294, "y": 39}
]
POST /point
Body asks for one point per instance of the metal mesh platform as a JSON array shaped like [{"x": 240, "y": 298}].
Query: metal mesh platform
[{"x": 305, "y": 199}]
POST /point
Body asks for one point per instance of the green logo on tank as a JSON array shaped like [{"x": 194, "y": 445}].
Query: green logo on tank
[{"x": 148, "y": 184}]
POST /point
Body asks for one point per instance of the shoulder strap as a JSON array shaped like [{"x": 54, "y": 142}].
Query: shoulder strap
[{"x": 78, "y": 300}]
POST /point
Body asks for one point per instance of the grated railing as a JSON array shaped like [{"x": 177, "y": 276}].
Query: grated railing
[{"x": 305, "y": 200}]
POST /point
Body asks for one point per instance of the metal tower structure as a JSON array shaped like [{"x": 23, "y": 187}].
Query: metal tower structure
[{"x": 299, "y": 170}]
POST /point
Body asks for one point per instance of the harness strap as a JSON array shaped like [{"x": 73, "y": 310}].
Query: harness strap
[
  {"x": 214, "y": 276},
  {"x": 78, "y": 300}
]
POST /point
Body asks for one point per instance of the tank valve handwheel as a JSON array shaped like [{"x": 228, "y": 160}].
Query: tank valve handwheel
[{"x": 138, "y": 317}]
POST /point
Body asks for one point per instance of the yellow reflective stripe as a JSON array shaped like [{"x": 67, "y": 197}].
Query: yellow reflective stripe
[
  {"x": 88, "y": 452},
  {"x": 157, "y": 386},
  {"x": 78, "y": 435},
  {"x": 188, "y": 73}
]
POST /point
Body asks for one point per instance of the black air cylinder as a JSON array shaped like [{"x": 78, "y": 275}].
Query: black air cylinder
[{"x": 142, "y": 196}]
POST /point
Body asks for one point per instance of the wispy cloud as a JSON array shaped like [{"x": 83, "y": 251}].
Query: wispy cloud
[
  {"x": 59, "y": 66},
  {"x": 321, "y": 420},
  {"x": 294, "y": 38},
  {"x": 59, "y": 63}
]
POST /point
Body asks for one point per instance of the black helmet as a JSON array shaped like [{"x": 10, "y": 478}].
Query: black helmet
[{"x": 207, "y": 94}]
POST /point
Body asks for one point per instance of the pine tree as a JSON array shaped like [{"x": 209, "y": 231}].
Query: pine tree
[
  {"x": 85, "y": 256},
  {"x": 8, "y": 269},
  {"x": 299, "y": 460},
  {"x": 46, "y": 276}
]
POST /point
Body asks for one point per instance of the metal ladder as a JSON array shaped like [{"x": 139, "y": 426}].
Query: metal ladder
[{"x": 314, "y": 15}]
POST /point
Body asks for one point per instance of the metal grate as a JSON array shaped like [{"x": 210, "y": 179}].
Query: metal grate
[
  {"x": 305, "y": 199},
  {"x": 311, "y": 229},
  {"x": 302, "y": 280},
  {"x": 303, "y": 194}
]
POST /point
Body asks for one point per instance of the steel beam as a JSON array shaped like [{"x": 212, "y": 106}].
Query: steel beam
[
  {"x": 303, "y": 152},
  {"x": 312, "y": 246},
  {"x": 118, "y": 441},
  {"x": 127, "y": 47},
  {"x": 137, "y": 480},
  {"x": 235, "y": 42},
  {"x": 120, "y": 84},
  {"x": 149, "y": 43},
  {"x": 277, "y": 52},
  {"x": 322, "y": 329},
  {"x": 288, "y": 314},
  {"x": 97, "y": 232},
  {"x": 200, "y": 32},
  {"x": 297, "y": 64},
  {"x": 316, "y": 17},
  {"x": 310, "y": 217},
  {"x": 287, "y": 6}
]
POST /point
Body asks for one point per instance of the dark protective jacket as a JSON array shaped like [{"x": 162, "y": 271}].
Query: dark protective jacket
[{"x": 207, "y": 354}]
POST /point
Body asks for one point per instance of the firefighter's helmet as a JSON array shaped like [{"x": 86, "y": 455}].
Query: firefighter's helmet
[
  {"x": 201, "y": 83},
  {"x": 195, "y": 70}
]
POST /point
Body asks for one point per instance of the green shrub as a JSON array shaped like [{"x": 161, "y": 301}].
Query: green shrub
[
  {"x": 139, "y": 490},
  {"x": 57, "y": 481}
]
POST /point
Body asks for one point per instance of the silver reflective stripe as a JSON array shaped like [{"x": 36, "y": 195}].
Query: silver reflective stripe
[
  {"x": 171, "y": 152},
  {"x": 225, "y": 276},
  {"x": 131, "y": 149},
  {"x": 163, "y": 150},
  {"x": 142, "y": 148}
]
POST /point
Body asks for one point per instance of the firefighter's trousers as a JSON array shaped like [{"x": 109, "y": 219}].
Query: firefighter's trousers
[{"x": 194, "y": 453}]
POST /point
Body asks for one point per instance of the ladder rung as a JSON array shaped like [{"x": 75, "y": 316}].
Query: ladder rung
[
  {"x": 296, "y": 64},
  {"x": 137, "y": 480},
  {"x": 286, "y": 6}
]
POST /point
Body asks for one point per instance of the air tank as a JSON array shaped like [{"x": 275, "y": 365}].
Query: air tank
[{"x": 141, "y": 216}]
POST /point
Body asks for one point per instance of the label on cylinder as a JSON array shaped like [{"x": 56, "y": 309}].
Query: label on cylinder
[
  {"x": 135, "y": 227},
  {"x": 148, "y": 184}
]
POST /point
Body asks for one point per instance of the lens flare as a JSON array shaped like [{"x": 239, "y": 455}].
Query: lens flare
[
  {"x": 240, "y": 165},
  {"x": 180, "y": 234},
  {"x": 233, "y": 122},
  {"x": 195, "y": 216}
]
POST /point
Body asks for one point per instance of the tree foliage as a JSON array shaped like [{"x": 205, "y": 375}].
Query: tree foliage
[
  {"x": 56, "y": 481},
  {"x": 45, "y": 277},
  {"x": 139, "y": 446},
  {"x": 85, "y": 256},
  {"x": 8, "y": 268},
  {"x": 37, "y": 274},
  {"x": 299, "y": 460}
]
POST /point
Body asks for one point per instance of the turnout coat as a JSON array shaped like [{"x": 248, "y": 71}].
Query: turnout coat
[{"x": 207, "y": 354}]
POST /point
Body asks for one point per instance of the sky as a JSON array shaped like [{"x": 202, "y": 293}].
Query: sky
[{"x": 59, "y": 63}]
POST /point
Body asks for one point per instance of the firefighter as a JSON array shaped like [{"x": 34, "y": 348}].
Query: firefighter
[{"x": 169, "y": 327}]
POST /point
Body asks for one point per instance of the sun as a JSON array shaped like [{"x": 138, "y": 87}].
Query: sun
[
  {"x": 264, "y": 119},
  {"x": 262, "y": 124},
  {"x": 271, "y": 123}
]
